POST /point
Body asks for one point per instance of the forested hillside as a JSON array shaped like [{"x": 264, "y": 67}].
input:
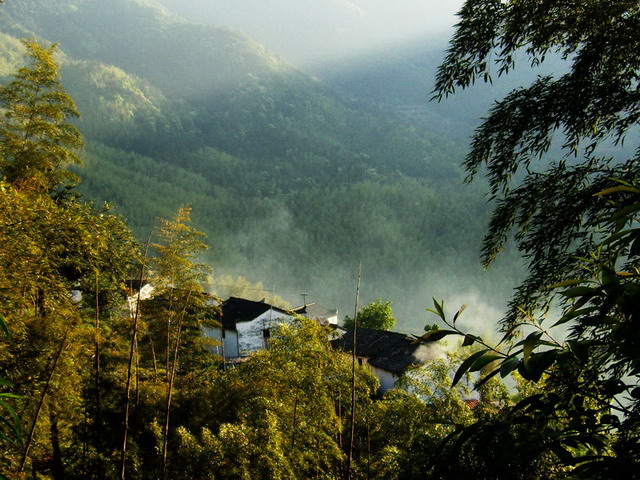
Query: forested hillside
[
  {"x": 109, "y": 343},
  {"x": 293, "y": 184}
]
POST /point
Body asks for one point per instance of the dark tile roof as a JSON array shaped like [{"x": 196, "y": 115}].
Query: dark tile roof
[
  {"x": 236, "y": 310},
  {"x": 390, "y": 351},
  {"x": 313, "y": 309}
]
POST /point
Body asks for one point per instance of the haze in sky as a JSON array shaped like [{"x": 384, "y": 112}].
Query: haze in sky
[{"x": 314, "y": 32}]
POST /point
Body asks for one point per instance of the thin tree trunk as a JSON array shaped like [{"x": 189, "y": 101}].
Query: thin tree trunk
[
  {"x": 224, "y": 358},
  {"x": 98, "y": 400},
  {"x": 45, "y": 390},
  {"x": 123, "y": 454},
  {"x": 170, "y": 387},
  {"x": 340, "y": 417},
  {"x": 368, "y": 448},
  {"x": 58, "y": 466},
  {"x": 167, "y": 355},
  {"x": 153, "y": 357},
  {"x": 136, "y": 404},
  {"x": 353, "y": 377}
]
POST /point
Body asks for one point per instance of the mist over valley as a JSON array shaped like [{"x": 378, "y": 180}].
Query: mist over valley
[{"x": 296, "y": 170}]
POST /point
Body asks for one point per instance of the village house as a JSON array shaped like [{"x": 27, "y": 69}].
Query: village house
[
  {"x": 388, "y": 354},
  {"x": 245, "y": 325}
]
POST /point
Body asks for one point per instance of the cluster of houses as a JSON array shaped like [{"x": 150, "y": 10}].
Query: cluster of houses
[{"x": 245, "y": 326}]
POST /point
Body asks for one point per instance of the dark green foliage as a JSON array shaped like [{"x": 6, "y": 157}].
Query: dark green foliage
[
  {"x": 587, "y": 409},
  {"x": 573, "y": 218},
  {"x": 585, "y": 111},
  {"x": 290, "y": 181}
]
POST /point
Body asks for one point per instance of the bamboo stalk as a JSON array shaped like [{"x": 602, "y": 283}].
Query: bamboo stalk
[
  {"x": 41, "y": 401},
  {"x": 353, "y": 376},
  {"x": 123, "y": 454},
  {"x": 170, "y": 387}
]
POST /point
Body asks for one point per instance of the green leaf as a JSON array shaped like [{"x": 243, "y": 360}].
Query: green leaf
[
  {"x": 483, "y": 361},
  {"x": 634, "y": 250},
  {"x": 529, "y": 344},
  {"x": 469, "y": 340},
  {"x": 572, "y": 314},
  {"x": 624, "y": 212},
  {"x": 439, "y": 309},
  {"x": 538, "y": 364},
  {"x": 435, "y": 335},
  {"x": 580, "y": 349},
  {"x": 566, "y": 283},
  {"x": 580, "y": 292},
  {"x": 459, "y": 312},
  {"x": 563, "y": 454},
  {"x": 608, "y": 191},
  {"x": 508, "y": 366},
  {"x": 466, "y": 365}
]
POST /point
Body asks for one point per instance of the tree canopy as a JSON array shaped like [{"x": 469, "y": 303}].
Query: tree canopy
[
  {"x": 570, "y": 120},
  {"x": 377, "y": 315},
  {"x": 568, "y": 192},
  {"x": 37, "y": 140}
]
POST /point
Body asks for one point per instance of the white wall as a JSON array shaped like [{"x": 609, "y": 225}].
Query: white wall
[
  {"x": 387, "y": 379},
  {"x": 230, "y": 342},
  {"x": 251, "y": 334}
]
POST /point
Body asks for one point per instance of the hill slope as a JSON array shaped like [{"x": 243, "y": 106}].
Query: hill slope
[{"x": 293, "y": 183}]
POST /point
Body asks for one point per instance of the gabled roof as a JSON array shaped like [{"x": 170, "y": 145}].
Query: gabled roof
[
  {"x": 390, "y": 351},
  {"x": 236, "y": 310},
  {"x": 315, "y": 310}
]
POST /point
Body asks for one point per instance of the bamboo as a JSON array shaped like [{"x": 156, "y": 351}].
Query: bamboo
[
  {"x": 41, "y": 402},
  {"x": 170, "y": 387},
  {"x": 123, "y": 454},
  {"x": 353, "y": 376}
]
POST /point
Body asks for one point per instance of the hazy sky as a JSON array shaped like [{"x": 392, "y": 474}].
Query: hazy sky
[{"x": 309, "y": 32}]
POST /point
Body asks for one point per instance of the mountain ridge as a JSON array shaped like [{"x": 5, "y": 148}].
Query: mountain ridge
[{"x": 292, "y": 182}]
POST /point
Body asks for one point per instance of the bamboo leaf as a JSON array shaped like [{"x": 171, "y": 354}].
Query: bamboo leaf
[
  {"x": 566, "y": 283},
  {"x": 621, "y": 188},
  {"x": 459, "y": 312},
  {"x": 483, "y": 361},
  {"x": 508, "y": 366},
  {"x": 580, "y": 292},
  {"x": 469, "y": 340},
  {"x": 435, "y": 335},
  {"x": 439, "y": 309},
  {"x": 529, "y": 344},
  {"x": 466, "y": 365}
]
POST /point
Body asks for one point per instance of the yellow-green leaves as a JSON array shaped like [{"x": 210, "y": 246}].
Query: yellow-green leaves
[{"x": 37, "y": 142}]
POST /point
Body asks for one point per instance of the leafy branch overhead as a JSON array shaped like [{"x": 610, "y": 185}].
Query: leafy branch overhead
[
  {"x": 549, "y": 206},
  {"x": 597, "y": 365}
]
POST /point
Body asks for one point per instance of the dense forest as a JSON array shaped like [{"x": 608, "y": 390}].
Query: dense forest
[
  {"x": 293, "y": 182},
  {"x": 99, "y": 389},
  {"x": 99, "y": 382}
]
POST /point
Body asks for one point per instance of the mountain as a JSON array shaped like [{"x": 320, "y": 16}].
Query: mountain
[
  {"x": 313, "y": 32},
  {"x": 294, "y": 181}
]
